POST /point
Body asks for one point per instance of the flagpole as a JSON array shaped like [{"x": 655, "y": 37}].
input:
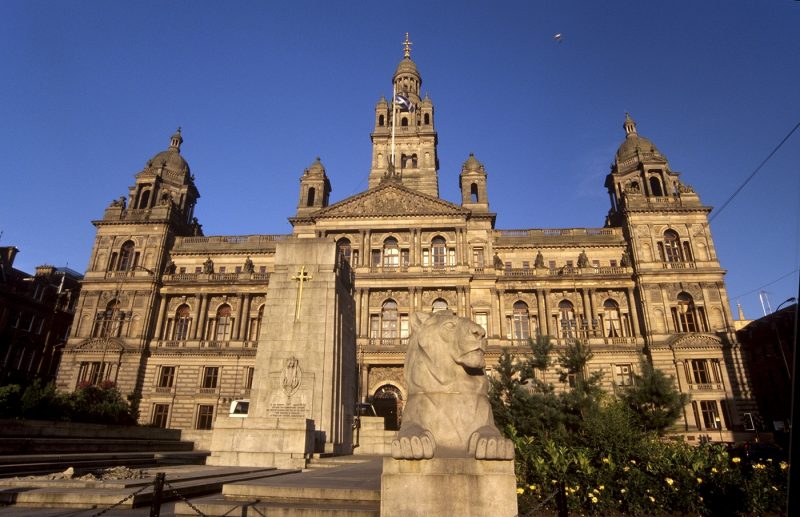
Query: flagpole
[{"x": 394, "y": 118}]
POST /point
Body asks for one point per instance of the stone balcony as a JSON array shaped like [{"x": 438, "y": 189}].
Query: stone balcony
[
  {"x": 213, "y": 278},
  {"x": 165, "y": 345},
  {"x": 227, "y": 243}
]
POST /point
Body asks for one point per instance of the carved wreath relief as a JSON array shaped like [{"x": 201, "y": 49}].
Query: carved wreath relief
[{"x": 291, "y": 375}]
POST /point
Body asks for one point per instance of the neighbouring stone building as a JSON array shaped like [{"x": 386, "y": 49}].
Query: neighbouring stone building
[
  {"x": 175, "y": 315},
  {"x": 35, "y": 318}
]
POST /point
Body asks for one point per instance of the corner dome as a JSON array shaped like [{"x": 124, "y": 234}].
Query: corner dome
[
  {"x": 171, "y": 158},
  {"x": 472, "y": 164},
  {"x": 315, "y": 169},
  {"x": 633, "y": 142}
]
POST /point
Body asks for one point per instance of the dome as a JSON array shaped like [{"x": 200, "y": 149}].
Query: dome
[
  {"x": 406, "y": 66},
  {"x": 634, "y": 142},
  {"x": 171, "y": 158},
  {"x": 315, "y": 169},
  {"x": 472, "y": 164}
]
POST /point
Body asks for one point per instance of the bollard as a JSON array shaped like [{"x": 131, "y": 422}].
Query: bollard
[
  {"x": 158, "y": 489},
  {"x": 561, "y": 500}
]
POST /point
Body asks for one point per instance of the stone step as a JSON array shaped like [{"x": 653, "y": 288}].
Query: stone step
[
  {"x": 205, "y": 480},
  {"x": 38, "y": 445},
  {"x": 218, "y": 505},
  {"x": 31, "y": 464}
]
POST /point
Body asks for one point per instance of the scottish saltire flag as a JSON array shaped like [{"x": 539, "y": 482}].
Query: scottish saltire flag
[{"x": 404, "y": 103}]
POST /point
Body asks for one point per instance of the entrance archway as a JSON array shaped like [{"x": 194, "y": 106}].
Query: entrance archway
[{"x": 388, "y": 403}]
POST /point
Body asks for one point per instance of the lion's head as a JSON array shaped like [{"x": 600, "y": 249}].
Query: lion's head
[{"x": 442, "y": 343}]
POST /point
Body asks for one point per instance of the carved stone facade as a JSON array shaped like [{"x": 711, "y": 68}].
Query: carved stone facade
[{"x": 646, "y": 285}]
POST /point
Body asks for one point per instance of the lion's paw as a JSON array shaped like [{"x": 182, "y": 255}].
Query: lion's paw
[
  {"x": 490, "y": 447},
  {"x": 414, "y": 446}
]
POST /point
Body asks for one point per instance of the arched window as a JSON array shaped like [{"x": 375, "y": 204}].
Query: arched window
[
  {"x": 391, "y": 253},
  {"x": 655, "y": 186},
  {"x": 520, "y": 321},
  {"x": 427, "y": 119},
  {"x": 380, "y": 120},
  {"x": 438, "y": 251},
  {"x": 389, "y": 319},
  {"x": 126, "y": 256},
  {"x": 566, "y": 314},
  {"x": 109, "y": 322},
  {"x": 344, "y": 250},
  {"x": 672, "y": 247},
  {"x": 144, "y": 198},
  {"x": 404, "y": 121},
  {"x": 473, "y": 192},
  {"x": 310, "y": 199},
  {"x": 255, "y": 325},
  {"x": 686, "y": 316},
  {"x": 414, "y": 161},
  {"x": 439, "y": 305},
  {"x": 183, "y": 320},
  {"x": 612, "y": 325},
  {"x": 224, "y": 323}
]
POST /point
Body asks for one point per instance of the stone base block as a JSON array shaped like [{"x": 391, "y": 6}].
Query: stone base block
[
  {"x": 448, "y": 486},
  {"x": 262, "y": 442}
]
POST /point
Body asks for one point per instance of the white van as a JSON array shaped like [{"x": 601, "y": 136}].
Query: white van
[{"x": 239, "y": 408}]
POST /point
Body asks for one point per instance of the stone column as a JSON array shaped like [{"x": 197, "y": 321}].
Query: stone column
[
  {"x": 467, "y": 303},
  {"x": 161, "y": 312},
  {"x": 201, "y": 320},
  {"x": 501, "y": 313},
  {"x": 245, "y": 318},
  {"x": 367, "y": 248},
  {"x": 201, "y": 307},
  {"x": 540, "y": 312},
  {"x": 634, "y": 314},
  {"x": 365, "y": 313},
  {"x": 545, "y": 296},
  {"x": 238, "y": 321},
  {"x": 413, "y": 260}
]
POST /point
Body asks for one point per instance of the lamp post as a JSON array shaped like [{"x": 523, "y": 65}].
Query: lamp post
[
  {"x": 778, "y": 337},
  {"x": 718, "y": 423}
]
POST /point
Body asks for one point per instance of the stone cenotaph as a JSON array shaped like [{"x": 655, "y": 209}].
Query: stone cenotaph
[
  {"x": 448, "y": 458},
  {"x": 303, "y": 389}
]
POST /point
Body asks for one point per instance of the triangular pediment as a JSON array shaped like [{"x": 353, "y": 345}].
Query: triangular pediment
[{"x": 390, "y": 199}]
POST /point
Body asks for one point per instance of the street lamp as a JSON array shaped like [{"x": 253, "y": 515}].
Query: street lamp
[
  {"x": 778, "y": 337},
  {"x": 718, "y": 423}
]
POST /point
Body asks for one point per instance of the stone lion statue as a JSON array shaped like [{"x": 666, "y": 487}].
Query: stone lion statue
[{"x": 448, "y": 413}]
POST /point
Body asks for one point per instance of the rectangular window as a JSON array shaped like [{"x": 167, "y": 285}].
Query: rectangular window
[
  {"x": 221, "y": 269},
  {"x": 708, "y": 408},
  {"x": 526, "y": 264},
  {"x": 262, "y": 269},
  {"x": 248, "y": 377},
  {"x": 570, "y": 264},
  {"x": 198, "y": 269},
  {"x": 238, "y": 269},
  {"x": 451, "y": 257},
  {"x": 210, "y": 377},
  {"x": 478, "y": 258},
  {"x": 613, "y": 263},
  {"x": 552, "y": 265},
  {"x": 160, "y": 415},
  {"x": 508, "y": 265},
  {"x": 623, "y": 374},
  {"x": 426, "y": 257},
  {"x": 376, "y": 258},
  {"x": 404, "y": 325},
  {"x": 205, "y": 416},
  {"x": 166, "y": 376},
  {"x": 595, "y": 263},
  {"x": 182, "y": 270},
  {"x": 374, "y": 326},
  {"x": 482, "y": 319}
]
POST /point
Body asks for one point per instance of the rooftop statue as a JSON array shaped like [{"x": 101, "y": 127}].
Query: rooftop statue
[{"x": 448, "y": 413}]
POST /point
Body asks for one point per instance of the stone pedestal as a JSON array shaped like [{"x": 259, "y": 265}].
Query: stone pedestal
[
  {"x": 448, "y": 486},
  {"x": 304, "y": 382}
]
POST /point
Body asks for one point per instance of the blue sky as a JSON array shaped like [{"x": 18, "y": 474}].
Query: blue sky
[{"x": 90, "y": 90}]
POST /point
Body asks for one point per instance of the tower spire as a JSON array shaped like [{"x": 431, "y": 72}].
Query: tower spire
[
  {"x": 629, "y": 125},
  {"x": 407, "y": 48},
  {"x": 176, "y": 140}
]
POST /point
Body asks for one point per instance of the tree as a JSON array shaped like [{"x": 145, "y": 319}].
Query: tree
[{"x": 654, "y": 400}]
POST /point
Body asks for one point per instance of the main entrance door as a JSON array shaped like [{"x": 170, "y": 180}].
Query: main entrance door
[{"x": 388, "y": 403}]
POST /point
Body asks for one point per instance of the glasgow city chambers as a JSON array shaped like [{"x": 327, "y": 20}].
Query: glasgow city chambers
[{"x": 175, "y": 317}]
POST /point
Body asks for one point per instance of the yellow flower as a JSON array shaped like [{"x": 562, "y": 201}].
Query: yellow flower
[
  {"x": 602, "y": 487},
  {"x": 626, "y": 468},
  {"x": 605, "y": 460},
  {"x": 532, "y": 487},
  {"x": 736, "y": 459},
  {"x": 633, "y": 461},
  {"x": 623, "y": 490},
  {"x": 714, "y": 470},
  {"x": 699, "y": 480},
  {"x": 774, "y": 488},
  {"x": 769, "y": 460},
  {"x": 759, "y": 466},
  {"x": 669, "y": 481},
  {"x": 784, "y": 465},
  {"x": 594, "y": 499},
  {"x": 553, "y": 481},
  {"x": 520, "y": 490},
  {"x": 652, "y": 499},
  {"x": 596, "y": 491}
]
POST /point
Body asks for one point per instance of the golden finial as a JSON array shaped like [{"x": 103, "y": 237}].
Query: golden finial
[{"x": 407, "y": 48}]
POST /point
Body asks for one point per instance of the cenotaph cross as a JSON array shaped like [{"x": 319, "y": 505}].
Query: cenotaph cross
[{"x": 302, "y": 276}]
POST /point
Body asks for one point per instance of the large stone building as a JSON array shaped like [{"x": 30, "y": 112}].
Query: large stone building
[{"x": 176, "y": 316}]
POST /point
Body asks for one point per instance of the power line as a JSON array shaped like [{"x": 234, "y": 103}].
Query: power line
[
  {"x": 720, "y": 209},
  {"x": 768, "y": 284}
]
